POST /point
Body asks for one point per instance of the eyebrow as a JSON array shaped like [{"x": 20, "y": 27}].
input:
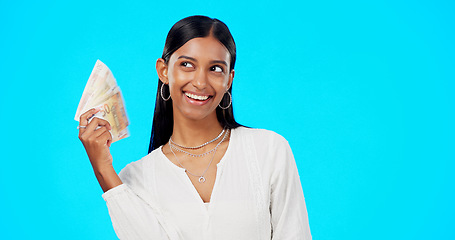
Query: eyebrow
[{"x": 214, "y": 61}]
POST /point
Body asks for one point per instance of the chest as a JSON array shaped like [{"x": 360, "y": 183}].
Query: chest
[
  {"x": 237, "y": 205},
  {"x": 201, "y": 171},
  {"x": 204, "y": 185}
]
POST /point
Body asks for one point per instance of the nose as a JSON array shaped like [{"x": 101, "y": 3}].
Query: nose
[{"x": 200, "y": 79}]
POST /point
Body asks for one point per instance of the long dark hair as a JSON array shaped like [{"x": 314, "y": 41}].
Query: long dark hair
[{"x": 183, "y": 31}]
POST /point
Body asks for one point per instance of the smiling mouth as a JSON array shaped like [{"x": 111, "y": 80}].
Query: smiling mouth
[{"x": 197, "y": 97}]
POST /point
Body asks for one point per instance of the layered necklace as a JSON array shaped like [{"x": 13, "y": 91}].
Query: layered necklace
[{"x": 180, "y": 148}]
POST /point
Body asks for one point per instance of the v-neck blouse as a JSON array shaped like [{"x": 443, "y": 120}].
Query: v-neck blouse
[{"x": 257, "y": 195}]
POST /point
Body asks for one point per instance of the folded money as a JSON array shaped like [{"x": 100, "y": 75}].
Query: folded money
[{"x": 103, "y": 93}]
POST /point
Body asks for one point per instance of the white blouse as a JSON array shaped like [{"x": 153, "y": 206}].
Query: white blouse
[{"x": 257, "y": 195}]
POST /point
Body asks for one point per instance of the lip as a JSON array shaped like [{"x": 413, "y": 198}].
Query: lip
[{"x": 194, "y": 101}]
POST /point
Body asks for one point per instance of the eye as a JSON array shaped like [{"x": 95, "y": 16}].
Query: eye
[
  {"x": 186, "y": 64},
  {"x": 216, "y": 69}
]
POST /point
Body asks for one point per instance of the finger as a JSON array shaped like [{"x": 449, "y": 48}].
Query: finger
[
  {"x": 87, "y": 115},
  {"x": 100, "y": 131},
  {"x": 93, "y": 137},
  {"x": 94, "y": 123},
  {"x": 83, "y": 119},
  {"x": 105, "y": 137}
]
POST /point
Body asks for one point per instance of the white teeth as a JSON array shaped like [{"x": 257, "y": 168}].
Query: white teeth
[{"x": 197, "y": 97}]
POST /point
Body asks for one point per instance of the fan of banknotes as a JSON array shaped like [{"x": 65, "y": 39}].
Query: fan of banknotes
[{"x": 103, "y": 93}]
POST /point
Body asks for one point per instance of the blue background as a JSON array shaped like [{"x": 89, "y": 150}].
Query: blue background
[{"x": 362, "y": 90}]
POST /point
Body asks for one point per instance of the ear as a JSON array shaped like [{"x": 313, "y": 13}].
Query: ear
[
  {"x": 231, "y": 78},
  {"x": 161, "y": 70}
]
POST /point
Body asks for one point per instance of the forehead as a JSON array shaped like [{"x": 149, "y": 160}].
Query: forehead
[{"x": 207, "y": 48}]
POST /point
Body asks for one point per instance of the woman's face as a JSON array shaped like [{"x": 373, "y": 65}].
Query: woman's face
[{"x": 198, "y": 76}]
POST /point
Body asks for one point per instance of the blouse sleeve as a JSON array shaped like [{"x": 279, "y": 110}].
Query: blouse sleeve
[
  {"x": 133, "y": 216},
  {"x": 288, "y": 210}
]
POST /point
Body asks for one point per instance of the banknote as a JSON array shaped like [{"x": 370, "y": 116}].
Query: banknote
[
  {"x": 103, "y": 93},
  {"x": 113, "y": 111},
  {"x": 99, "y": 83}
]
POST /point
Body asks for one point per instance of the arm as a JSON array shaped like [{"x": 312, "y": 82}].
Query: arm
[
  {"x": 132, "y": 217},
  {"x": 96, "y": 142},
  {"x": 288, "y": 209},
  {"x": 133, "y": 211}
]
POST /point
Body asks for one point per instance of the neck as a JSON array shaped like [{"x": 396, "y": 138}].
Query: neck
[{"x": 189, "y": 132}]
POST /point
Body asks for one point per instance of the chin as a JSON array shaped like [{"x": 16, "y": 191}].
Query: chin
[{"x": 197, "y": 115}]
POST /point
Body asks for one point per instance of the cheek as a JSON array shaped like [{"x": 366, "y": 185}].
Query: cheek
[
  {"x": 182, "y": 75},
  {"x": 220, "y": 84},
  {"x": 219, "y": 81},
  {"x": 180, "y": 78}
]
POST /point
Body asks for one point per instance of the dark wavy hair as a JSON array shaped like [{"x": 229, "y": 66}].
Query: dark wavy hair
[{"x": 183, "y": 31}]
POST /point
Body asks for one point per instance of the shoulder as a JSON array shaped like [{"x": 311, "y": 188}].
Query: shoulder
[
  {"x": 262, "y": 137},
  {"x": 133, "y": 172},
  {"x": 269, "y": 149}
]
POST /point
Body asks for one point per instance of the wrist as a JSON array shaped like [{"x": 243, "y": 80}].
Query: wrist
[
  {"x": 107, "y": 177},
  {"x": 103, "y": 169}
]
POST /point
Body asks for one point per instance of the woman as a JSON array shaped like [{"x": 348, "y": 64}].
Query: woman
[{"x": 206, "y": 176}]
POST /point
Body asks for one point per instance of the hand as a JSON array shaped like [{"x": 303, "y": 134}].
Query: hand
[{"x": 97, "y": 139}]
